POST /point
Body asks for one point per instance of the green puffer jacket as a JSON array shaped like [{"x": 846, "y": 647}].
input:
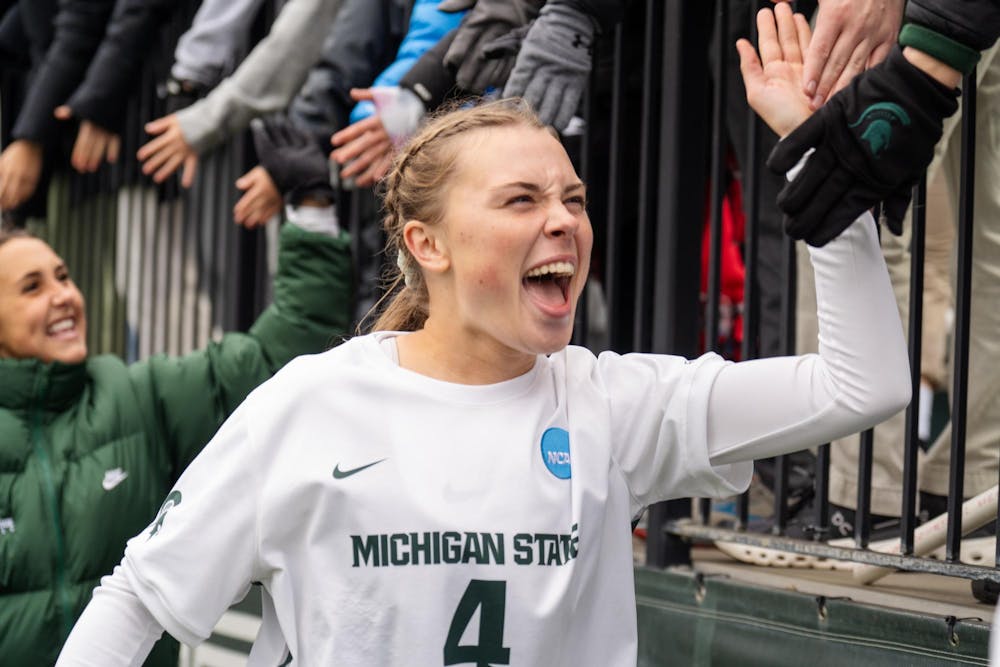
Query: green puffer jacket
[{"x": 88, "y": 451}]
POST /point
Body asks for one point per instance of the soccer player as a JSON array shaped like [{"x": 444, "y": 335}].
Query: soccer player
[{"x": 456, "y": 487}]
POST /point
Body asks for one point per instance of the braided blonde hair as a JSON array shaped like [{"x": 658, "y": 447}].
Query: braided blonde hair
[{"x": 414, "y": 190}]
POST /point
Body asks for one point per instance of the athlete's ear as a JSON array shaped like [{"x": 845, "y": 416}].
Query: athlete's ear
[{"x": 427, "y": 245}]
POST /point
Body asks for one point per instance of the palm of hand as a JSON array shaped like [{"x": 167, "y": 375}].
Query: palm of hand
[
  {"x": 778, "y": 96},
  {"x": 774, "y": 80}
]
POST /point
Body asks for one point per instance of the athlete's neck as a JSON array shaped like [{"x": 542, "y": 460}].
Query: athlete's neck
[{"x": 462, "y": 361}]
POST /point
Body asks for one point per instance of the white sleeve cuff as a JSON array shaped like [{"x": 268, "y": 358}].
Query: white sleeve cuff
[
  {"x": 319, "y": 219},
  {"x": 794, "y": 171}
]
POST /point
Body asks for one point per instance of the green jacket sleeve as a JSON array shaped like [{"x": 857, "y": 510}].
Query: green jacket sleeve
[{"x": 192, "y": 395}]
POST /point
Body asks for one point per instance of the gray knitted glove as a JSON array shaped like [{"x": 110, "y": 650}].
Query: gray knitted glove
[
  {"x": 552, "y": 68},
  {"x": 488, "y": 20}
]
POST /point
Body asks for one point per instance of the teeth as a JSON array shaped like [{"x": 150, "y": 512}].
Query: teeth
[
  {"x": 62, "y": 325},
  {"x": 557, "y": 268}
]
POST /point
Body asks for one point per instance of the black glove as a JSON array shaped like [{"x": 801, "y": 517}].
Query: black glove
[
  {"x": 873, "y": 140},
  {"x": 488, "y": 20},
  {"x": 296, "y": 164}
]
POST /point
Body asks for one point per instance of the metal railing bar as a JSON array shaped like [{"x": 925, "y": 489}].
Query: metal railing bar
[
  {"x": 689, "y": 529},
  {"x": 915, "y": 342},
  {"x": 963, "y": 299},
  {"x": 863, "y": 513},
  {"x": 648, "y": 161}
]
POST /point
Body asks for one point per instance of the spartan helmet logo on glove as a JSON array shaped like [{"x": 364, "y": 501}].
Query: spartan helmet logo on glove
[{"x": 880, "y": 118}]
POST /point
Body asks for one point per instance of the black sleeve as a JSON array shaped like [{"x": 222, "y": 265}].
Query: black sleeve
[
  {"x": 974, "y": 23},
  {"x": 79, "y": 28},
  {"x": 102, "y": 95},
  {"x": 15, "y": 47},
  {"x": 606, "y": 13},
  {"x": 429, "y": 78},
  {"x": 363, "y": 41}
]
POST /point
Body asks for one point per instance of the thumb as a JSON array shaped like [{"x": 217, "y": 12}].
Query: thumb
[
  {"x": 63, "y": 112},
  {"x": 359, "y": 94},
  {"x": 188, "y": 172},
  {"x": 790, "y": 149},
  {"x": 158, "y": 126}
]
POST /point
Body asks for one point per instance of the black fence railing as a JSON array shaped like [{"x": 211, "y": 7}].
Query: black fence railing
[{"x": 165, "y": 269}]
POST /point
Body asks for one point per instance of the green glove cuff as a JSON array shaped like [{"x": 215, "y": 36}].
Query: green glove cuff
[{"x": 935, "y": 44}]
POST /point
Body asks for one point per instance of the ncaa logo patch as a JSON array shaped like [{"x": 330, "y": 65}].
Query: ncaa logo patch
[{"x": 555, "y": 452}]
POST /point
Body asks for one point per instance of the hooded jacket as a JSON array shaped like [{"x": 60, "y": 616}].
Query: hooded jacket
[
  {"x": 88, "y": 451},
  {"x": 974, "y": 23}
]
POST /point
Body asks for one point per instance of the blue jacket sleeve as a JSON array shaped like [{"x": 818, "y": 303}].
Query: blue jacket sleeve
[{"x": 428, "y": 25}]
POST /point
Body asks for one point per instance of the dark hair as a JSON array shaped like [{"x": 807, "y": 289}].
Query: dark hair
[{"x": 414, "y": 190}]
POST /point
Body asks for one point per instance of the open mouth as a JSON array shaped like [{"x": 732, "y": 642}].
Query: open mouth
[
  {"x": 548, "y": 285},
  {"x": 64, "y": 328}
]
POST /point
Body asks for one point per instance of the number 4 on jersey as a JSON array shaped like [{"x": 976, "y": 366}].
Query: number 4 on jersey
[{"x": 491, "y": 599}]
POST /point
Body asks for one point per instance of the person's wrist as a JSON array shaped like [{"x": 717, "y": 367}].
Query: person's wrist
[{"x": 932, "y": 67}]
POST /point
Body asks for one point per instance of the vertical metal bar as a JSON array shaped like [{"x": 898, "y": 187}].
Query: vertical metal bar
[
  {"x": 661, "y": 549},
  {"x": 862, "y": 516},
  {"x": 822, "y": 517},
  {"x": 751, "y": 194},
  {"x": 718, "y": 177},
  {"x": 751, "y": 292},
  {"x": 718, "y": 188},
  {"x": 679, "y": 181},
  {"x": 648, "y": 160},
  {"x": 788, "y": 333},
  {"x": 613, "y": 267},
  {"x": 911, "y": 441},
  {"x": 963, "y": 301},
  {"x": 780, "y": 494}
]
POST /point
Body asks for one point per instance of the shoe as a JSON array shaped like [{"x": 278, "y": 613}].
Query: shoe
[
  {"x": 932, "y": 505},
  {"x": 802, "y": 524}
]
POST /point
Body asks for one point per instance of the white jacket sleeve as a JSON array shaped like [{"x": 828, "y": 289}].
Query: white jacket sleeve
[
  {"x": 209, "y": 46},
  {"x": 115, "y": 609},
  {"x": 859, "y": 378},
  {"x": 267, "y": 80}
]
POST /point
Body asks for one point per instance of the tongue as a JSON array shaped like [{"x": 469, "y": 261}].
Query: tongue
[{"x": 547, "y": 292}]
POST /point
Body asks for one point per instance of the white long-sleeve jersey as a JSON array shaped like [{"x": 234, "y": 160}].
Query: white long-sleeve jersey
[{"x": 395, "y": 519}]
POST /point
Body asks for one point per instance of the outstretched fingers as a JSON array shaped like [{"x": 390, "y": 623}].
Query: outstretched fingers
[
  {"x": 767, "y": 38},
  {"x": 750, "y": 68},
  {"x": 803, "y": 31},
  {"x": 788, "y": 36}
]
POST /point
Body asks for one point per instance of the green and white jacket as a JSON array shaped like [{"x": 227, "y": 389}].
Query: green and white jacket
[{"x": 88, "y": 451}]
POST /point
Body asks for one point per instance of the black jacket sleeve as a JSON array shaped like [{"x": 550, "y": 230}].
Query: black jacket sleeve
[
  {"x": 606, "y": 13},
  {"x": 102, "y": 95},
  {"x": 79, "y": 29},
  {"x": 362, "y": 43},
  {"x": 974, "y": 23},
  {"x": 429, "y": 78},
  {"x": 15, "y": 47}
]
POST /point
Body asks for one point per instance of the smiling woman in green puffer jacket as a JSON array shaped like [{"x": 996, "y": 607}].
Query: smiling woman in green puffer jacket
[{"x": 89, "y": 447}]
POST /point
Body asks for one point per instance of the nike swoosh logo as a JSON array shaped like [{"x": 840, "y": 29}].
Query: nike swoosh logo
[
  {"x": 111, "y": 482},
  {"x": 341, "y": 474}
]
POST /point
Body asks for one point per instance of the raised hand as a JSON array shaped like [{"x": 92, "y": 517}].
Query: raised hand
[
  {"x": 774, "y": 80},
  {"x": 261, "y": 200},
  {"x": 169, "y": 151},
  {"x": 363, "y": 149},
  {"x": 870, "y": 141},
  {"x": 851, "y": 36},
  {"x": 295, "y": 164},
  {"x": 20, "y": 169},
  {"x": 93, "y": 143}
]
